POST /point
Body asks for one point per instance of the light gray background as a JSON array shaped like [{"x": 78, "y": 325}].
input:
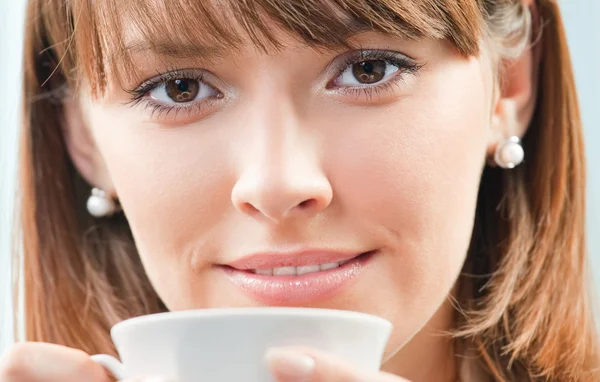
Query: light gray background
[{"x": 583, "y": 27}]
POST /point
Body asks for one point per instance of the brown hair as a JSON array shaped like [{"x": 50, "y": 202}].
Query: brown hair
[{"x": 524, "y": 293}]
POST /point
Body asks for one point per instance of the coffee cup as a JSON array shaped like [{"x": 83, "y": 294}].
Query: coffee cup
[{"x": 228, "y": 345}]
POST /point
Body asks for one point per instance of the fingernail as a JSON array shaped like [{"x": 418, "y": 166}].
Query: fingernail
[{"x": 289, "y": 365}]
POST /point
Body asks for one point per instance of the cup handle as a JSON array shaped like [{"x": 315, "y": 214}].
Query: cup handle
[{"x": 110, "y": 363}]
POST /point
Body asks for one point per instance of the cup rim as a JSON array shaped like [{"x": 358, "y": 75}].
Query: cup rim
[{"x": 254, "y": 312}]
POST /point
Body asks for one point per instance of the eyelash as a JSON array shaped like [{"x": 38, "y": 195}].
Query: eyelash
[
  {"x": 138, "y": 95},
  {"x": 404, "y": 64}
]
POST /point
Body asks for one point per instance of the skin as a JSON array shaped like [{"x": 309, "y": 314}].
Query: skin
[{"x": 282, "y": 160}]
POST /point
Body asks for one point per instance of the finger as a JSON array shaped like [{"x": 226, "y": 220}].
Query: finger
[
  {"x": 35, "y": 361},
  {"x": 310, "y": 365}
]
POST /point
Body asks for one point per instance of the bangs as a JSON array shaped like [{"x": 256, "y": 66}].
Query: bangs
[{"x": 102, "y": 50}]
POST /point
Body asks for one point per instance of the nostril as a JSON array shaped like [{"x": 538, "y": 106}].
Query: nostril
[
  {"x": 248, "y": 208},
  {"x": 307, "y": 203}
]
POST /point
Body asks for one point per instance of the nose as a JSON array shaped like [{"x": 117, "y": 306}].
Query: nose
[
  {"x": 282, "y": 190},
  {"x": 281, "y": 175}
]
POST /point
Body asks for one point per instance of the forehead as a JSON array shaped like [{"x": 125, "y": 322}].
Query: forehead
[{"x": 113, "y": 31}]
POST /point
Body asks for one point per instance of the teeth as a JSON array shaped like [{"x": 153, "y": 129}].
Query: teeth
[
  {"x": 297, "y": 271},
  {"x": 307, "y": 269},
  {"x": 327, "y": 266},
  {"x": 284, "y": 271}
]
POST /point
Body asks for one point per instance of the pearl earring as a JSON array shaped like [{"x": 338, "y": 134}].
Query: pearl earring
[
  {"x": 509, "y": 153},
  {"x": 99, "y": 204}
]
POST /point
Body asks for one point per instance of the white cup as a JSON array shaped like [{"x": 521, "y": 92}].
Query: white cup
[{"x": 228, "y": 345}]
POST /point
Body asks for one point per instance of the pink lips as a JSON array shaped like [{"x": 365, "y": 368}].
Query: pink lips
[{"x": 295, "y": 289}]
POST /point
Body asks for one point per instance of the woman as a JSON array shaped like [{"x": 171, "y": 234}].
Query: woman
[{"x": 417, "y": 160}]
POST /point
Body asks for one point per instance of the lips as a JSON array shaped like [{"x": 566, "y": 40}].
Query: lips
[
  {"x": 287, "y": 279},
  {"x": 292, "y": 259}
]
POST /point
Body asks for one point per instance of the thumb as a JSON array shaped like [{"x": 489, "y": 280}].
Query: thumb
[{"x": 300, "y": 364}]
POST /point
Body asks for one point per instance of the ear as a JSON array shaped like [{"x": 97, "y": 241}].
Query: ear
[
  {"x": 515, "y": 105},
  {"x": 82, "y": 147}
]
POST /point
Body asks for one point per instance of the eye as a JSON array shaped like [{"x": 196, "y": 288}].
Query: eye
[
  {"x": 182, "y": 90},
  {"x": 366, "y": 73},
  {"x": 369, "y": 72}
]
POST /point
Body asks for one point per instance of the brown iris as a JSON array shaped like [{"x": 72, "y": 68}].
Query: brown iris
[
  {"x": 368, "y": 72},
  {"x": 182, "y": 90}
]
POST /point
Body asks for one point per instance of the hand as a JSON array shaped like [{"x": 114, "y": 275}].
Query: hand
[
  {"x": 310, "y": 365},
  {"x": 37, "y": 361}
]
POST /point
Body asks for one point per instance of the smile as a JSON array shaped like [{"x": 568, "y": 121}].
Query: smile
[
  {"x": 299, "y": 271},
  {"x": 287, "y": 284}
]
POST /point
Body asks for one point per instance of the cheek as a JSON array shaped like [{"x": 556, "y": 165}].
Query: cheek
[
  {"x": 413, "y": 169},
  {"x": 172, "y": 185}
]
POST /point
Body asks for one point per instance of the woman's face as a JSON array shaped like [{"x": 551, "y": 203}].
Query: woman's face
[{"x": 302, "y": 158}]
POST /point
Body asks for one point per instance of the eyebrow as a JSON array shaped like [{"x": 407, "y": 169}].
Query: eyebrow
[{"x": 169, "y": 49}]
